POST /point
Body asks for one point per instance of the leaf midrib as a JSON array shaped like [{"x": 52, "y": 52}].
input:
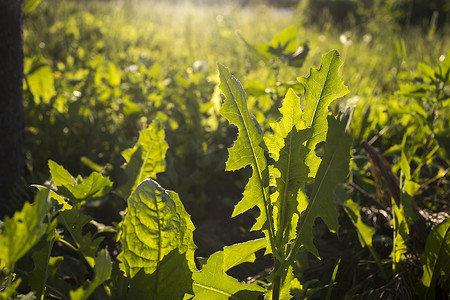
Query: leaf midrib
[{"x": 255, "y": 162}]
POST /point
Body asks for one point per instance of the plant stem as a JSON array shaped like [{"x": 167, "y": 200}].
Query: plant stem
[{"x": 276, "y": 288}]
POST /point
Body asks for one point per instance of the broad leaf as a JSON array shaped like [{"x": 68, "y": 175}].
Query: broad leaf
[
  {"x": 213, "y": 283},
  {"x": 19, "y": 234},
  {"x": 322, "y": 87},
  {"x": 102, "y": 271},
  {"x": 240, "y": 253},
  {"x": 332, "y": 171},
  {"x": 435, "y": 259},
  {"x": 155, "y": 224},
  {"x": 248, "y": 149},
  {"x": 146, "y": 158},
  {"x": 41, "y": 84},
  {"x": 172, "y": 280}
]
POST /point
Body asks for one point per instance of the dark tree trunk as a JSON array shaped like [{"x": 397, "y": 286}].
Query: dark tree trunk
[{"x": 11, "y": 106}]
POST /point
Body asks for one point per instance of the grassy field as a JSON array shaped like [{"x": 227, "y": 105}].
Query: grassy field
[{"x": 99, "y": 72}]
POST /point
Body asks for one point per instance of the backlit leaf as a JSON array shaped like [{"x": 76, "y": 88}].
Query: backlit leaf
[
  {"x": 322, "y": 87},
  {"x": 146, "y": 158},
  {"x": 240, "y": 253},
  {"x": 286, "y": 148},
  {"x": 213, "y": 283},
  {"x": 21, "y": 232},
  {"x": 155, "y": 224},
  {"x": 248, "y": 149}
]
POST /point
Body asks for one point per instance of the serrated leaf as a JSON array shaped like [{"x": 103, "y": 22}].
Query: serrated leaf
[
  {"x": 213, "y": 283},
  {"x": 59, "y": 175},
  {"x": 155, "y": 224},
  {"x": 102, "y": 271},
  {"x": 53, "y": 195},
  {"x": 289, "y": 170},
  {"x": 248, "y": 148},
  {"x": 332, "y": 171},
  {"x": 435, "y": 259},
  {"x": 322, "y": 87},
  {"x": 74, "y": 221},
  {"x": 240, "y": 253},
  {"x": 79, "y": 190},
  {"x": 291, "y": 116},
  {"x": 19, "y": 233},
  {"x": 146, "y": 158},
  {"x": 171, "y": 280}
]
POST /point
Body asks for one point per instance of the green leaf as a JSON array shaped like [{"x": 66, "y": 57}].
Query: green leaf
[
  {"x": 365, "y": 232},
  {"x": 332, "y": 171},
  {"x": 213, "y": 283},
  {"x": 146, "y": 158},
  {"x": 53, "y": 195},
  {"x": 240, "y": 253},
  {"x": 19, "y": 234},
  {"x": 41, "y": 84},
  {"x": 41, "y": 256},
  {"x": 444, "y": 68},
  {"x": 248, "y": 149},
  {"x": 80, "y": 190},
  {"x": 74, "y": 221},
  {"x": 322, "y": 87},
  {"x": 401, "y": 237},
  {"x": 9, "y": 291},
  {"x": 171, "y": 280},
  {"x": 290, "y": 171},
  {"x": 60, "y": 176},
  {"x": 102, "y": 271},
  {"x": 155, "y": 224},
  {"x": 283, "y": 42},
  {"x": 435, "y": 259},
  {"x": 31, "y": 5}
]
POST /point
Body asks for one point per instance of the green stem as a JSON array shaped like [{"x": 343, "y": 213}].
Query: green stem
[{"x": 276, "y": 283}]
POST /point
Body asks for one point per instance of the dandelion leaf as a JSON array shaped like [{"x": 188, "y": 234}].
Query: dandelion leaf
[
  {"x": 332, "y": 171},
  {"x": 213, "y": 283},
  {"x": 240, "y": 253},
  {"x": 322, "y": 87},
  {"x": 248, "y": 149},
  {"x": 286, "y": 147}
]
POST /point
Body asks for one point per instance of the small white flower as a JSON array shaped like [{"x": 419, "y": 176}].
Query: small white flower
[
  {"x": 345, "y": 38},
  {"x": 367, "y": 38},
  {"x": 200, "y": 66}
]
